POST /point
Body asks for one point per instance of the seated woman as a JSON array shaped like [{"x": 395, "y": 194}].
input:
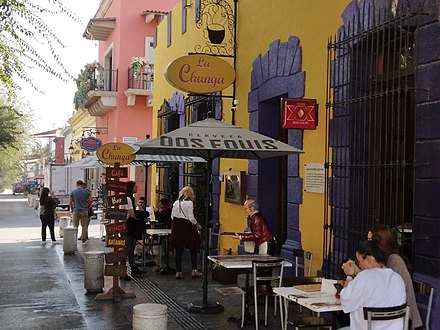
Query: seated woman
[{"x": 375, "y": 286}]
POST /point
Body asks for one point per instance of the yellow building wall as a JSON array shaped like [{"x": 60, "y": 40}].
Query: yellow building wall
[
  {"x": 80, "y": 121},
  {"x": 259, "y": 23}
]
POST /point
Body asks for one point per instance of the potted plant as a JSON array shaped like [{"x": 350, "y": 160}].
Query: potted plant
[{"x": 138, "y": 63}]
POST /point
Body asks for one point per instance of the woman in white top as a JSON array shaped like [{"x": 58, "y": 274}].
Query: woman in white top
[{"x": 184, "y": 231}]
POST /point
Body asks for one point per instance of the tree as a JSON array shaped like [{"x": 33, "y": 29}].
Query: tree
[
  {"x": 21, "y": 25},
  {"x": 15, "y": 124}
]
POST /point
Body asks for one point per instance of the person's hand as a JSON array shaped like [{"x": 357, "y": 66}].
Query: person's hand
[
  {"x": 348, "y": 267},
  {"x": 198, "y": 226},
  {"x": 236, "y": 236}
]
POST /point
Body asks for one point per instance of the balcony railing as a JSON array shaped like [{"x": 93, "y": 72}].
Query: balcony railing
[
  {"x": 104, "y": 80},
  {"x": 142, "y": 78}
]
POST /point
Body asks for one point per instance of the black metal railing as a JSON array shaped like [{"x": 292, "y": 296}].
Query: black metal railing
[
  {"x": 142, "y": 77},
  {"x": 370, "y": 128},
  {"x": 104, "y": 80}
]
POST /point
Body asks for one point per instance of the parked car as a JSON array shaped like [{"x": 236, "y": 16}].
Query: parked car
[{"x": 18, "y": 188}]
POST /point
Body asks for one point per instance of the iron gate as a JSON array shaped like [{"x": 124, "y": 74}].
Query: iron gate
[{"x": 370, "y": 128}]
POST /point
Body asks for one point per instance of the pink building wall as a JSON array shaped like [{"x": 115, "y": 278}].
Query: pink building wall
[{"x": 128, "y": 40}]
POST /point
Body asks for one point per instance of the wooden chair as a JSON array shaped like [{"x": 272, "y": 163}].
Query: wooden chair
[
  {"x": 378, "y": 314},
  {"x": 424, "y": 295},
  {"x": 265, "y": 276}
]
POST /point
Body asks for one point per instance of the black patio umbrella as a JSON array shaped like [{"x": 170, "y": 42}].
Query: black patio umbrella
[{"x": 210, "y": 139}]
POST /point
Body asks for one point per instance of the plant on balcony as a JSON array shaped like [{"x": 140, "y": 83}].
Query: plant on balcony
[
  {"x": 138, "y": 63},
  {"x": 85, "y": 82}
]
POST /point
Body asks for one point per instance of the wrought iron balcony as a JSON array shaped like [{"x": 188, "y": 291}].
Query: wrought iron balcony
[
  {"x": 140, "y": 82},
  {"x": 102, "y": 96},
  {"x": 104, "y": 80}
]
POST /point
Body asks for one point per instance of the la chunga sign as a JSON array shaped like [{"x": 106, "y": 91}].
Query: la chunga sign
[
  {"x": 112, "y": 153},
  {"x": 200, "y": 74}
]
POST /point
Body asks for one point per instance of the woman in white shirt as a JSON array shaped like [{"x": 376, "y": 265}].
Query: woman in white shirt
[{"x": 184, "y": 231}]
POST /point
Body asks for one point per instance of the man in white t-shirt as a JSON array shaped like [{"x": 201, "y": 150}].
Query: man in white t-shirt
[{"x": 374, "y": 286}]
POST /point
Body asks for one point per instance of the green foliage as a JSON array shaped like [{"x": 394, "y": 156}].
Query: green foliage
[
  {"x": 21, "y": 25},
  {"x": 84, "y": 83},
  {"x": 9, "y": 126},
  {"x": 14, "y": 139}
]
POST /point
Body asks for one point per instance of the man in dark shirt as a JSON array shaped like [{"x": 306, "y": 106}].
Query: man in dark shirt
[{"x": 79, "y": 199}]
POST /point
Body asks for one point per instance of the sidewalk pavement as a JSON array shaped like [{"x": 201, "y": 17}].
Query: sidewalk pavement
[{"x": 41, "y": 288}]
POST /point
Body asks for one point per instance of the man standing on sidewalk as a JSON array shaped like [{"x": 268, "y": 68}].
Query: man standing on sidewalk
[{"x": 78, "y": 204}]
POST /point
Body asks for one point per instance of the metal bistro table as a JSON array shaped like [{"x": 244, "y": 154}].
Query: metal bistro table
[
  {"x": 244, "y": 262},
  {"x": 316, "y": 301},
  {"x": 160, "y": 234}
]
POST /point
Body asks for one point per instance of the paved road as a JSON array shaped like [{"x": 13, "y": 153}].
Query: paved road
[{"x": 40, "y": 287}]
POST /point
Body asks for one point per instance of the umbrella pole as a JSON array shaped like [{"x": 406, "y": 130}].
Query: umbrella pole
[
  {"x": 145, "y": 188},
  {"x": 205, "y": 306}
]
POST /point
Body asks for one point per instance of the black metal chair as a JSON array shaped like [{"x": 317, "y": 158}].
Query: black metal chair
[
  {"x": 305, "y": 255},
  {"x": 378, "y": 314},
  {"x": 300, "y": 254},
  {"x": 424, "y": 295}
]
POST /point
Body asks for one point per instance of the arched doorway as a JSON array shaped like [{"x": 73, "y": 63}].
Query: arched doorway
[{"x": 275, "y": 182}]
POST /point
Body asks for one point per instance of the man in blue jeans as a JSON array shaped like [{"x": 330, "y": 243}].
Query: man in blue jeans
[{"x": 78, "y": 204}]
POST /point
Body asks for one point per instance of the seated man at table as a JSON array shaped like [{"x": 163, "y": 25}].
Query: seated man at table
[
  {"x": 260, "y": 232},
  {"x": 374, "y": 286}
]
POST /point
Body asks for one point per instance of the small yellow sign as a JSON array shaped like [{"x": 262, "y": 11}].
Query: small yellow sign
[
  {"x": 112, "y": 153},
  {"x": 200, "y": 73}
]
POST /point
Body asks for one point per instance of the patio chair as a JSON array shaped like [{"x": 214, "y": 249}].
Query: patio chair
[
  {"x": 305, "y": 255},
  {"x": 378, "y": 314},
  {"x": 266, "y": 275},
  {"x": 424, "y": 295},
  {"x": 213, "y": 242}
]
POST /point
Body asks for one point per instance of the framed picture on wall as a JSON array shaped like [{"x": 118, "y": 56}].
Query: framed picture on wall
[{"x": 235, "y": 187}]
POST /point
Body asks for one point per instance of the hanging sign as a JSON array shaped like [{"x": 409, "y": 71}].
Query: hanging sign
[
  {"x": 91, "y": 144},
  {"x": 115, "y": 228},
  {"x": 113, "y": 257},
  {"x": 115, "y": 242},
  {"x": 200, "y": 74},
  {"x": 116, "y": 214},
  {"x": 116, "y": 172},
  {"x": 116, "y": 186},
  {"x": 115, "y": 270},
  {"x": 299, "y": 113},
  {"x": 112, "y": 153},
  {"x": 116, "y": 200}
]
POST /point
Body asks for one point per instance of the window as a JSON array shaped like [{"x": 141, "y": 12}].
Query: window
[
  {"x": 149, "y": 49},
  {"x": 371, "y": 136}
]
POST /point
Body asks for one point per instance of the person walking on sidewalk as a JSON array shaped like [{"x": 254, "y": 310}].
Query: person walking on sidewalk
[
  {"x": 78, "y": 204},
  {"x": 184, "y": 231},
  {"x": 47, "y": 214}
]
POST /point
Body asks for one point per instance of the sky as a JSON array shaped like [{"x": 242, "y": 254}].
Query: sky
[{"x": 53, "y": 108}]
